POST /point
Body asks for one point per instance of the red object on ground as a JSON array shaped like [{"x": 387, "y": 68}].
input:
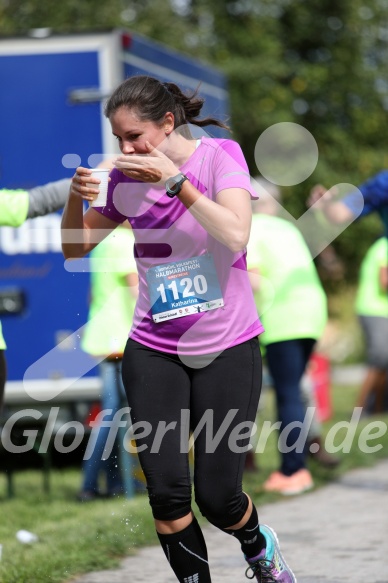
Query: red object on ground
[
  {"x": 319, "y": 373},
  {"x": 94, "y": 411}
]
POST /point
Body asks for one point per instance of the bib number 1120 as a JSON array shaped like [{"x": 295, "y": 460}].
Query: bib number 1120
[{"x": 199, "y": 284}]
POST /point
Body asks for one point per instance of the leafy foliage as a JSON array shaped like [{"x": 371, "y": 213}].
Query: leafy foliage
[{"x": 319, "y": 64}]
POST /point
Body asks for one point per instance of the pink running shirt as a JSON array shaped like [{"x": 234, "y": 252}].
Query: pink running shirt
[{"x": 165, "y": 232}]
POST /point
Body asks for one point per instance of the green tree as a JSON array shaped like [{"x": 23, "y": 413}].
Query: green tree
[{"x": 319, "y": 64}]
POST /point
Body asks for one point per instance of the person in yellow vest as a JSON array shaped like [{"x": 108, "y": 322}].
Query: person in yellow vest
[
  {"x": 372, "y": 309},
  {"x": 293, "y": 307},
  {"x": 16, "y": 206}
]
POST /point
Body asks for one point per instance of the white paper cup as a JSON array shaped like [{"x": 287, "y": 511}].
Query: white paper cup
[
  {"x": 26, "y": 537},
  {"x": 103, "y": 175}
]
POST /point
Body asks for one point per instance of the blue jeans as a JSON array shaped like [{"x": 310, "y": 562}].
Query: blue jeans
[
  {"x": 112, "y": 398},
  {"x": 287, "y": 361}
]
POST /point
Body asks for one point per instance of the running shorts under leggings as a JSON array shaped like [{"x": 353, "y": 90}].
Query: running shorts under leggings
[{"x": 167, "y": 399}]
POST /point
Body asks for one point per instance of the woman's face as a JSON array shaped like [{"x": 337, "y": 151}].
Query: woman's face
[{"x": 132, "y": 132}]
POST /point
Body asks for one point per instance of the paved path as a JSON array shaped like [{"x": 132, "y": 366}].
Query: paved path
[{"x": 336, "y": 534}]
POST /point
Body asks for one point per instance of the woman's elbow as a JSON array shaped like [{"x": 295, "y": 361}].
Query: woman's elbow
[
  {"x": 73, "y": 244},
  {"x": 238, "y": 242},
  {"x": 69, "y": 252}
]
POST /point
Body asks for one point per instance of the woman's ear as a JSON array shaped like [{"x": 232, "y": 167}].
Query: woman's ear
[{"x": 168, "y": 124}]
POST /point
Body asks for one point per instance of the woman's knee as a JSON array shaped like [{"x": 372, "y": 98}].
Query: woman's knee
[
  {"x": 222, "y": 509},
  {"x": 169, "y": 504}
]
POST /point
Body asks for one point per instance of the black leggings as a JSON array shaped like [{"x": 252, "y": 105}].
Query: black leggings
[{"x": 160, "y": 391}]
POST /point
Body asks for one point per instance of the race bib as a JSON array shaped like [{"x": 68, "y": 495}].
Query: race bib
[{"x": 184, "y": 287}]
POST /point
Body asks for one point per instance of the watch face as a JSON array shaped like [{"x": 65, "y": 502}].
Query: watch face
[{"x": 174, "y": 184}]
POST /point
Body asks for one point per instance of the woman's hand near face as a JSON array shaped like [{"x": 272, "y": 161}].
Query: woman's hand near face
[{"x": 152, "y": 167}]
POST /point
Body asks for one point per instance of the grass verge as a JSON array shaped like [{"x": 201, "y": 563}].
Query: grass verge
[{"x": 76, "y": 538}]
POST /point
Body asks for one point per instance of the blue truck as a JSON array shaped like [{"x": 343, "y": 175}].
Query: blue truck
[{"x": 53, "y": 89}]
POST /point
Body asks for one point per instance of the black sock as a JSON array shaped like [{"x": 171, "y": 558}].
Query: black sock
[
  {"x": 251, "y": 540},
  {"x": 187, "y": 554}
]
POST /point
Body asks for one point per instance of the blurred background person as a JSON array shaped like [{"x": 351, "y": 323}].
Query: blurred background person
[
  {"x": 372, "y": 309},
  {"x": 16, "y": 206},
  {"x": 340, "y": 210},
  {"x": 3, "y": 367},
  {"x": 114, "y": 289},
  {"x": 375, "y": 198},
  {"x": 292, "y": 303}
]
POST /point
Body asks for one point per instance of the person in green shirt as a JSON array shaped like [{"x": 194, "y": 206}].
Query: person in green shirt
[
  {"x": 3, "y": 367},
  {"x": 293, "y": 308},
  {"x": 371, "y": 306},
  {"x": 114, "y": 289},
  {"x": 16, "y": 206}
]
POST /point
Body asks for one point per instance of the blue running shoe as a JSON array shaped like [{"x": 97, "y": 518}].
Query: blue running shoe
[{"x": 270, "y": 566}]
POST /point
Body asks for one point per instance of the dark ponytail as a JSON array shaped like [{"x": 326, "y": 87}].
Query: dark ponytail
[{"x": 152, "y": 99}]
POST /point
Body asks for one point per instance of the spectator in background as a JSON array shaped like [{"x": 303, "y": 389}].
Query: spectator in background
[
  {"x": 372, "y": 309},
  {"x": 375, "y": 199},
  {"x": 3, "y": 368},
  {"x": 114, "y": 289},
  {"x": 292, "y": 304},
  {"x": 16, "y": 206}
]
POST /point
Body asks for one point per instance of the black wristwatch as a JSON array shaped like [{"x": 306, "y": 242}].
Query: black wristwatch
[{"x": 174, "y": 184}]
